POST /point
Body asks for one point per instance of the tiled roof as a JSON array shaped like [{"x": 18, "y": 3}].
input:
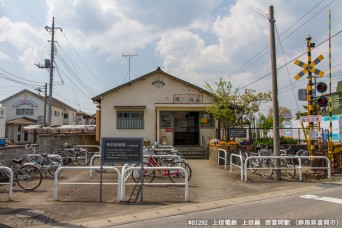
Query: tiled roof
[{"x": 22, "y": 120}]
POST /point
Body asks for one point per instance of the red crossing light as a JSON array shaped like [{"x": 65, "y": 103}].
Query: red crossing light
[
  {"x": 321, "y": 87},
  {"x": 322, "y": 102}
]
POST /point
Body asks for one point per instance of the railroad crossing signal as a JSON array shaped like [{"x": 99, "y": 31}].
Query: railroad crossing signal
[{"x": 310, "y": 67}]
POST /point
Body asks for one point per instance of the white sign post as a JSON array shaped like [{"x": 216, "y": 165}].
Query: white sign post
[{"x": 2, "y": 122}]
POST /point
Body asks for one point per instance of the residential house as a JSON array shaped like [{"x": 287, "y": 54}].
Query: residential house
[{"x": 27, "y": 108}]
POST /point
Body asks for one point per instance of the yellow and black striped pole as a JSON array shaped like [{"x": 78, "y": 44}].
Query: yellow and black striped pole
[
  {"x": 309, "y": 97},
  {"x": 330, "y": 97},
  {"x": 330, "y": 145}
]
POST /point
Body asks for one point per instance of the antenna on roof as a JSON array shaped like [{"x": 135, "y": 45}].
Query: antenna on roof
[{"x": 129, "y": 64}]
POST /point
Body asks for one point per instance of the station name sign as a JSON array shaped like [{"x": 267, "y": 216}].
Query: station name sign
[{"x": 121, "y": 150}]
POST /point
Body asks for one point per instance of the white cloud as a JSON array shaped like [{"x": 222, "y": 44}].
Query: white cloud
[
  {"x": 3, "y": 56},
  {"x": 27, "y": 59},
  {"x": 19, "y": 34}
]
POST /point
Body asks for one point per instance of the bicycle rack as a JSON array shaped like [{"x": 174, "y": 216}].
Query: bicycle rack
[
  {"x": 186, "y": 183},
  {"x": 292, "y": 157},
  {"x": 10, "y": 189}
]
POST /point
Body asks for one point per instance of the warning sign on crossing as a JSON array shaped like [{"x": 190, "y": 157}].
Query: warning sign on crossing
[{"x": 314, "y": 118}]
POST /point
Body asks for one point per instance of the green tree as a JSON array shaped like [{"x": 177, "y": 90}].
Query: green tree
[
  {"x": 230, "y": 106},
  {"x": 265, "y": 123}
]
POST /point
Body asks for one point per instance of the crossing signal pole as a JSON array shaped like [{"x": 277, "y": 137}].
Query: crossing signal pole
[
  {"x": 309, "y": 46},
  {"x": 309, "y": 69}
]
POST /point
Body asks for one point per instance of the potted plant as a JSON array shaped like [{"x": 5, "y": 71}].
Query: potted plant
[{"x": 147, "y": 142}]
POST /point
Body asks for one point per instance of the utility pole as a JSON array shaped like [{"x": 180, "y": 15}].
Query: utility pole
[
  {"x": 129, "y": 64},
  {"x": 45, "y": 96},
  {"x": 276, "y": 137},
  {"x": 49, "y": 64}
]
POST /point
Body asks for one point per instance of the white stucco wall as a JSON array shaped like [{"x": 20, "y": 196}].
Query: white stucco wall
[
  {"x": 27, "y": 100},
  {"x": 26, "y": 96}
]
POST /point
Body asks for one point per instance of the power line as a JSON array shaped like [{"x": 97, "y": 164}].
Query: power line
[
  {"x": 287, "y": 69},
  {"x": 86, "y": 65},
  {"x": 250, "y": 63},
  {"x": 254, "y": 9},
  {"x": 262, "y": 77}
]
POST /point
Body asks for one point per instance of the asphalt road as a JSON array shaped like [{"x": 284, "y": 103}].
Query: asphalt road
[{"x": 308, "y": 208}]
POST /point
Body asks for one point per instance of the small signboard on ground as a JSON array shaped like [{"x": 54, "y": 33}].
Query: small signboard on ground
[
  {"x": 121, "y": 150},
  {"x": 237, "y": 133}
]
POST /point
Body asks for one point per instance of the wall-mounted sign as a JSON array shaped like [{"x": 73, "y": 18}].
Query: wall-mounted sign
[
  {"x": 121, "y": 150},
  {"x": 169, "y": 129},
  {"x": 24, "y": 102},
  {"x": 188, "y": 98}
]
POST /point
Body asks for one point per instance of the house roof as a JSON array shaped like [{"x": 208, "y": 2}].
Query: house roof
[
  {"x": 158, "y": 70},
  {"x": 55, "y": 101},
  {"x": 22, "y": 120}
]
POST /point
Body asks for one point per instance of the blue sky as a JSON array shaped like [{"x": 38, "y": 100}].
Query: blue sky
[{"x": 196, "y": 40}]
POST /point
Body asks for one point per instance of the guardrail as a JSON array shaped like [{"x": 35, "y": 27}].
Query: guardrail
[
  {"x": 85, "y": 183},
  {"x": 223, "y": 158},
  {"x": 236, "y": 165},
  {"x": 290, "y": 157},
  {"x": 186, "y": 193},
  {"x": 310, "y": 157},
  {"x": 10, "y": 183}
]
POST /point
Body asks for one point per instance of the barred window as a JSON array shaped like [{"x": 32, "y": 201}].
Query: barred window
[
  {"x": 130, "y": 120},
  {"x": 165, "y": 119},
  {"x": 24, "y": 112}
]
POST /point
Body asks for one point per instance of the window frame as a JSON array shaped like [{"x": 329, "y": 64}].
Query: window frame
[{"x": 125, "y": 120}]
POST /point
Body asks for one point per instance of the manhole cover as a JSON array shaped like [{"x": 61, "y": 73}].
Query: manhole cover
[{"x": 29, "y": 213}]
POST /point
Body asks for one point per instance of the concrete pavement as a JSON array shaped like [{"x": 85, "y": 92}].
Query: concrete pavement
[{"x": 78, "y": 206}]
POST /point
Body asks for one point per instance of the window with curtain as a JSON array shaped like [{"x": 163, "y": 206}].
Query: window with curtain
[{"x": 129, "y": 120}]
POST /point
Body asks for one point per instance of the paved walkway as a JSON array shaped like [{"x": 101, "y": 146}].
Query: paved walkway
[{"x": 79, "y": 204}]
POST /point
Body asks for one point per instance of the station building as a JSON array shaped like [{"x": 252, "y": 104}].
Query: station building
[{"x": 158, "y": 107}]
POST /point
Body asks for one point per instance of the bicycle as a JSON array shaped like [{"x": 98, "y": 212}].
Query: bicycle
[
  {"x": 175, "y": 176},
  {"x": 45, "y": 163},
  {"x": 264, "y": 164},
  {"x": 27, "y": 176},
  {"x": 71, "y": 154},
  {"x": 303, "y": 152},
  {"x": 287, "y": 162}
]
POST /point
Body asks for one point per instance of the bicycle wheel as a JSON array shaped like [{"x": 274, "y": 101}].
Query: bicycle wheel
[
  {"x": 148, "y": 174},
  {"x": 253, "y": 164},
  {"x": 54, "y": 164},
  {"x": 83, "y": 158},
  {"x": 29, "y": 177},
  {"x": 290, "y": 169},
  {"x": 267, "y": 168},
  {"x": 65, "y": 160},
  {"x": 177, "y": 176},
  {"x": 305, "y": 161},
  {"x": 97, "y": 162}
]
